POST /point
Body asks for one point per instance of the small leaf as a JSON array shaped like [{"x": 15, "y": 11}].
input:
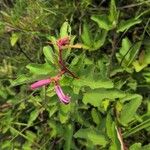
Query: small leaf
[
  {"x": 33, "y": 115},
  {"x": 113, "y": 14},
  {"x": 135, "y": 146},
  {"x": 14, "y": 38},
  {"x": 129, "y": 109},
  {"x": 86, "y": 35},
  {"x": 124, "y": 53},
  {"x": 102, "y": 21},
  {"x": 49, "y": 54},
  {"x": 96, "y": 116},
  {"x": 64, "y": 112},
  {"x": 125, "y": 25},
  {"x": 138, "y": 67},
  {"x": 65, "y": 29},
  {"x": 100, "y": 41}
]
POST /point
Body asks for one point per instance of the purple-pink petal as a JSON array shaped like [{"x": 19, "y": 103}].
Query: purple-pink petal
[
  {"x": 40, "y": 83},
  {"x": 63, "y": 98}
]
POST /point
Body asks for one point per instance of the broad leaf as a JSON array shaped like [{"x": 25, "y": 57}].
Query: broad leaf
[
  {"x": 95, "y": 97},
  {"x": 102, "y": 21},
  {"x": 94, "y": 136}
]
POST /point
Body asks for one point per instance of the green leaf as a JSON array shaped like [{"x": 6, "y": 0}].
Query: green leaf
[
  {"x": 31, "y": 135},
  {"x": 95, "y": 97},
  {"x": 3, "y": 93},
  {"x": 49, "y": 54},
  {"x": 94, "y": 136},
  {"x": 64, "y": 112},
  {"x": 40, "y": 69},
  {"x": 28, "y": 78},
  {"x": 33, "y": 115},
  {"x": 56, "y": 128},
  {"x": 14, "y": 38},
  {"x": 89, "y": 78},
  {"x": 68, "y": 137},
  {"x": 143, "y": 125},
  {"x": 93, "y": 84},
  {"x": 113, "y": 14},
  {"x": 129, "y": 108},
  {"x": 21, "y": 80},
  {"x": 124, "y": 52},
  {"x": 126, "y": 44},
  {"x": 65, "y": 29},
  {"x": 115, "y": 145},
  {"x": 100, "y": 41},
  {"x": 138, "y": 67},
  {"x": 134, "y": 51},
  {"x": 86, "y": 35},
  {"x": 96, "y": 116},
  {"x": 51, "y": 110},
  {"x": 125, "y": 25},
  {"x": 109, "y": 122},
  {"x": 135, "y": 146},
  {"x": 102, "y": 21}
]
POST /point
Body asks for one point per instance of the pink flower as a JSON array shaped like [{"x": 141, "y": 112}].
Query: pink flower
[
  {"x": 62, "y": 42},
  {"x": 62, "y": 97},
  {"x": 40, "y": 83}
]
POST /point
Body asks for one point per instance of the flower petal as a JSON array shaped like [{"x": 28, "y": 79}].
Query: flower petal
[
  {"x": 62, "y": 97},
  {"x": 40, "y": 83},
  {"x": 62, "y": 42}
]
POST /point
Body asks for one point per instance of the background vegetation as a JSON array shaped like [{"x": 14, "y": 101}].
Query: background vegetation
[{"x": 109, "y": 51}]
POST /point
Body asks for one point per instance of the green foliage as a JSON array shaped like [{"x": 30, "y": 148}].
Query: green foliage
[{"x": 107, "y": 55}]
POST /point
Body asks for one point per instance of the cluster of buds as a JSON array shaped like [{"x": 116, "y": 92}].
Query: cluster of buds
[{"x": 62, "y": 97}]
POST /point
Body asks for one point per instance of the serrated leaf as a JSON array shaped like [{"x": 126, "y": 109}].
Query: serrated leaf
[
  {"x": 94, "y": 136},
  {"x": 129, "y": 109},
  {"x": 125, "y": 25},
  {"x": 93, "y": 83},
  {"x": 40, "y": 69},
  {"x": 102, "y": 21},
  {"x": 95, "y": 97}
]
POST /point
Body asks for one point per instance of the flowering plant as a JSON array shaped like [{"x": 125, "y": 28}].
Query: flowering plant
[{"x": 75, "y": 75}]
